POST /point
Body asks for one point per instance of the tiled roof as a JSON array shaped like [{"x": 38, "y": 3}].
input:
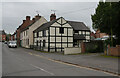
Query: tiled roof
[
  {"x": 74, "y": 24},
  {"x": 2, "y": 32},
  {"x": 46, "y": 25},
  {"x": 78, "y": 25}
]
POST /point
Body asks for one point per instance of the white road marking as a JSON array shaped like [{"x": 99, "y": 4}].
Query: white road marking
[
  {"x": 42, "y": 69},
  {"x": 71, "y": 64}
]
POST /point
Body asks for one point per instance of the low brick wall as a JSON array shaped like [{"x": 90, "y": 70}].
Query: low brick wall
[
  {"x": 114, "y": 51},
  {"x": 72, "y": 50}
]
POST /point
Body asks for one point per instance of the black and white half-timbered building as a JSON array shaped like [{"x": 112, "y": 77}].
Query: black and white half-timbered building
[{"x": 57, "y": 34}]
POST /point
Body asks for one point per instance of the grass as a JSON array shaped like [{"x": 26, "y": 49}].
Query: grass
[{"x": 106, "y": 56}]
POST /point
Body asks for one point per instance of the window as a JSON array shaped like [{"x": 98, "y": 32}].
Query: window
[
  {"x": 44, "y": 33},
  {"x": 61, "y": 30},
  {"x": 43, "y": 43},
  {"x": 28, "y": 41},
  {"x": 37, "y": 34},
  {"x": 37, "y": 42},
  {"x": 76, "y": 31},
  {"x": 26, "y": 33}
]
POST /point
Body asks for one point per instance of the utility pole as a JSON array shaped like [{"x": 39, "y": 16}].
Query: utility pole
[{"x": 111, "y": 27}]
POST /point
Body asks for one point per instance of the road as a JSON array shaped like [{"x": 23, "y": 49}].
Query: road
[{"x": 26, "y": 62}]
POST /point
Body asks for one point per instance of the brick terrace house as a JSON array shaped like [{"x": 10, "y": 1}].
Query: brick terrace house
[
  {"x": 25, "y": 23},
  {"x": 2, "y": 35},
  {"x": 98, "y": 34},
  {"x": 26, "y": 35}
]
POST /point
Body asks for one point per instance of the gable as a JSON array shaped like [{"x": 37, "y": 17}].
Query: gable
[
  {"x": 56, "y": 24},
  {"x": 61, "y": 21}
]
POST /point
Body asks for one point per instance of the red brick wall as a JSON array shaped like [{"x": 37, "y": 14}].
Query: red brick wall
[
  {"x": 82, "y": 47},
  {"x": 3, "y": 37},
  {"x": 114, "y": 51},
  {"x": 25, "y": 23},
  {"x": 98, "y": 34}
]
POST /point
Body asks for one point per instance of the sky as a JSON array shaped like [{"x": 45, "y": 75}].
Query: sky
[{"x": 13, "y": 13}]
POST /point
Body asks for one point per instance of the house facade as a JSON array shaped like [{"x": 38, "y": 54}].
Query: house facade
[
  {"x": 54, "y": 36},
  {"x": 2, "y": 35},
  {"x": 26, "y": 35},
  {"x": 59, "y": 33},
  {"x": 25, "y": 23}
]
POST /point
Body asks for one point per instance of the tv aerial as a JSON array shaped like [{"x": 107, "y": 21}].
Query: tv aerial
[{"x": 53, "y": 11}]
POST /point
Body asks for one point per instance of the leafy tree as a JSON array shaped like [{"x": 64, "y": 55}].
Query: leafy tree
[{"x": 106, "y": 18}]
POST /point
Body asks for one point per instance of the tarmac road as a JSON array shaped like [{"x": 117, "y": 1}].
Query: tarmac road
[{"x": 23, "y": 62}]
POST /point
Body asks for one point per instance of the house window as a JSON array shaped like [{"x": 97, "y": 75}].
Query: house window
[
  {"x": 43, "y": 43},
  {"x": 37, "y": 42},
  {"x": 76, "y": 31},
  {"x": 28, "y": 41},
  {"x": 26, "y": 32},
  {"x": 44, "y": 33},
  {"x": 37, "y": 34},
  {"x": 61, "y": 30}
]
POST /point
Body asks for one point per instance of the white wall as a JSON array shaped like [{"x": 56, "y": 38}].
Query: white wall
[
  {"x": 37, "y": 24},
  {"x": 72, "y": 50}
]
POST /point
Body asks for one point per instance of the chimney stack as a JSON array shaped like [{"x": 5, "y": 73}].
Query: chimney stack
[
  {"x": 37, "y": 17},
  {"x": 24, "y": 21},
  {"x": 33, "y": 20},
  {"x": 52, "y": 17},
  {"x": 27, "y": 17}
]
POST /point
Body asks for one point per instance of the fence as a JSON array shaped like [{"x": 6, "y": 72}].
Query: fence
[
  {"x": 113, "y": 51},
  {"x": 93, "y": 46}
]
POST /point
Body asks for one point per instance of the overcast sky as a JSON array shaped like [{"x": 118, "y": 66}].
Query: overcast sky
[{"x": 13, "y": 13}]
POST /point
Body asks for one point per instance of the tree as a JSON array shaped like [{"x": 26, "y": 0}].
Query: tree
[{"x": 106, "y": 18}]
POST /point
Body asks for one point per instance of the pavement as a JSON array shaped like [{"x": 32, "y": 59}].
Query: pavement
[{"x": 27, "y": 62}]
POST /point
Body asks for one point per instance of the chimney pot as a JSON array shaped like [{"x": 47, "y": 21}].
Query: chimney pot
[
  {"x": 24, "y": 21},
  {"x": 27, "y": 17},
  {"x": 52, "y": 17}
]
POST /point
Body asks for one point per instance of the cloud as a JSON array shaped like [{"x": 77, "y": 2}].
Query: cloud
[{"x": 15, "y": 12}]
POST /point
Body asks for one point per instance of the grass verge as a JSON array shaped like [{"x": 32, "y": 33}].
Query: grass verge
[{"x": 106, "y": 56}]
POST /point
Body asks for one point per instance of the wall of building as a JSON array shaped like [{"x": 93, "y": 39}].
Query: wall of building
[
  {"x": 54, "y": 40},
  {"x": 72, "y": 50},
  {"x": 37, "y": 24},
  {"x": 24, "y": 39},
  {"x": 25, "y": 23}
]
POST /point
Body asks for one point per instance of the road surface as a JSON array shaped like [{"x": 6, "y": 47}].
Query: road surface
[{"x": 25, "y": 62}]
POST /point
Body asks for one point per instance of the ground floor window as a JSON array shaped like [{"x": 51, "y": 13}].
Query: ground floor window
[{"x": 43, "y": 43}]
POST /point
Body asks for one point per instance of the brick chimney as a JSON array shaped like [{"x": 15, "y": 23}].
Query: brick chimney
[
  {"x": 33, "y": 20},
  {"x": 27, "y": 17},
  {"x": 24, "y": 21},
  {"x": 52, "y": 17},
  {"x": 37, "y": 17}
]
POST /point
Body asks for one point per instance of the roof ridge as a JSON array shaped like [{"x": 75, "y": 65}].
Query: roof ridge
[{"x": 74, "y": 21}]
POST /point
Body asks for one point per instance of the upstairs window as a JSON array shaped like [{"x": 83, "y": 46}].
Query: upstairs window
[
  {"x": 76, "y": 31},
  {"x": 43, "y": 43},
  {"x": 61, "y": 30},
  {"x": 44, "y": 33},
  {"x": 37, "y": 34}
]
